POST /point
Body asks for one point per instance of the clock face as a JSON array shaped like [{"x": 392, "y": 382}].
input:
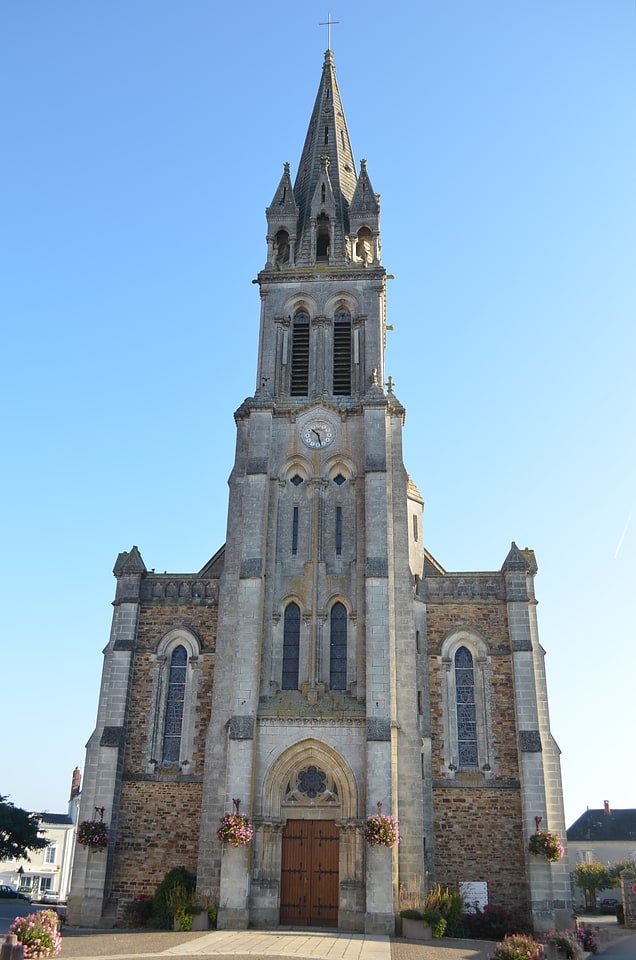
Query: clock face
[{"x": 317, "y": 434}]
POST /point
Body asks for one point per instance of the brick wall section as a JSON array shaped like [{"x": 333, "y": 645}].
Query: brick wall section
[
  {"x": 154, "y": 623},
  {"x": 491, "y": 622},
  {"x": 158, "y": 830},
  {"x": 160, "y": 813},
  {"x": 478, "y": 836},
  {"x": 478, "y": 823}
]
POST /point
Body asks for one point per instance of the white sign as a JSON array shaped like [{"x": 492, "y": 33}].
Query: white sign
[{"x": 474, "y": 894}]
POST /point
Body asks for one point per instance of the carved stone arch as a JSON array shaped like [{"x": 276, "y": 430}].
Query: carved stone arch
[
  {"x": 296, "y": 466},
  {"x": 342, "y": 302},
  {"x": 297, "y": 757},
  {"x": 340, "y": 465},
  {"x": 301, "y": 302},
  {"x": 464, "y": 637},
  {"x": 179, "y": 636}
]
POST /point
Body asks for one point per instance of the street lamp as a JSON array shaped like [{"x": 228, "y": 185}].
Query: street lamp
[{"x": 20, "y": 875}]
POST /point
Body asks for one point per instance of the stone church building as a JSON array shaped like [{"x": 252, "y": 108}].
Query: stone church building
[{"x": 322, "y": 662}]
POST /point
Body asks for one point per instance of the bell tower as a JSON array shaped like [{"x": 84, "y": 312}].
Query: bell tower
[{"x": 320, "y": 558}]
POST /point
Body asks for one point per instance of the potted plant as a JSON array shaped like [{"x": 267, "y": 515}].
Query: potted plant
[
  {"x": 566, "y": 942},
  {"x": 93, "y": 833},
  {"x": 235, "y": 828},
  {"x": 414, "y": 926},
  {"x": 545, "y": 844},
  {"x": 382, "y": 830}
]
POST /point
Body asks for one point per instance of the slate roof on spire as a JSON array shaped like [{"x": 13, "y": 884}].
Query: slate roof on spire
[
  {"x": 364, "y": 200},
  {"x": 283, "y": 205},
  {"x": 327, "y": 136}
]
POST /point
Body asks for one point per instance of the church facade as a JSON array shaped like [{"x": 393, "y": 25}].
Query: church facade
[{"x": 322, "y": 666}]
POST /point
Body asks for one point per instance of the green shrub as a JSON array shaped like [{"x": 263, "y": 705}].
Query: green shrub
[{"x": 176, "y": 889}]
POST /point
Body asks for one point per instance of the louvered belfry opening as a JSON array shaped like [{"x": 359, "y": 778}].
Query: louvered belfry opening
[
  {"x": 342, "y": 354},
  {"x": 300, "y": 356}
]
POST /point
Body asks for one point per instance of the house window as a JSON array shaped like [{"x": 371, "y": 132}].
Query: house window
[
  {"x": 338, "y": 648},
  {"x": 291, "y": 646},
  {"x": 466, "y": 708},
  {"x": 415, "y": 529},
  {"x": 338, "y": 531},
  {"x": 300, "y": 356},
  {"x": 174, "y": 705},
  {"x": 46, "y": 884},
  {"x": 50, "y": 854},
  {"x": 342, "y": 354}
]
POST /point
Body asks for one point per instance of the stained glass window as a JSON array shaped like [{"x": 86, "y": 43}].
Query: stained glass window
[
  {"x": 174, "y": 704},
  {"x": 466, "y": 710}
]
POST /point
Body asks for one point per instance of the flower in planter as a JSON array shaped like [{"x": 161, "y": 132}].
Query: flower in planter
[
  {"x": 235, "y": 828},
  {"x": 382, "y": 830},
  {"x": 38, "y": 933},
  {"x": 546, "y": 844},
  {"x": 567, "y": 943},
  {"x": 93, "y": 833},
  {"x": 517, "y": 946}
]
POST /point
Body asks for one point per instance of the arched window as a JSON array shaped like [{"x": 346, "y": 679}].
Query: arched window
[
  {"x": 466, "y": 744},
  {"x": 173, "y": 722},
  {"x": 291, "y": 646},
  {"x": 338, "y": 648},
  {"x": 364, "y": 245},
  {"x": 282, "y": 246},
  {"x": 300, "y": 355},
  {"x": 342, "y": 353},
  {"x": 322, "y": 238},
  {"x": 466, "y": 709}
]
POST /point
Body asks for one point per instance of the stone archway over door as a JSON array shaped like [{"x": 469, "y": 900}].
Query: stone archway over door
[{"x": 310, "y": 890}]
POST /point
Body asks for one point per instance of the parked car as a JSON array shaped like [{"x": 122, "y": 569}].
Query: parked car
[
  {"x": 50, "y": 897},
  {"x": 608, "y": 905},
  {"x": 10, "y": 893}
]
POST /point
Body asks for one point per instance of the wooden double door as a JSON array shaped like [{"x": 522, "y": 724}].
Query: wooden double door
[{"x": 309, "y": 888}]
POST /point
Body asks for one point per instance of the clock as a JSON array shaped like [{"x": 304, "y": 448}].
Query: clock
[{"x": 317, "y": 434}]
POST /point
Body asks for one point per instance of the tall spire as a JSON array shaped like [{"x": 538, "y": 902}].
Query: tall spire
[
  {"x": 329, "y": 217},
  {"x": 327, "y": 137}
]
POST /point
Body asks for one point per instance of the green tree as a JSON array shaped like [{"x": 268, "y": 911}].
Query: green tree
[
  {"x": 592, "y": 877},
  {"x": 19, "y": 832},
  {"x": 614, "y": 871}
]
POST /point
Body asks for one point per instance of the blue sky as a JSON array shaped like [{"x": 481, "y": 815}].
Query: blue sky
[{"x": 142, "y": 143}]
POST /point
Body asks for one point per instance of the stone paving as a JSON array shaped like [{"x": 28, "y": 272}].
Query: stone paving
[{"x": 274, "y": 945}]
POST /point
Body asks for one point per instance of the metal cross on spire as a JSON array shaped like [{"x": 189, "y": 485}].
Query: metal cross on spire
[{"x": 328, "y": 23}]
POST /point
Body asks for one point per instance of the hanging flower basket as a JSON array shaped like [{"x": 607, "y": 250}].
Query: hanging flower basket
[
  {"x": 382, "y": 830},
  {"x": 547, "y": 845},
  {"x": 93, "y": 834},
  {"x": 235, "y": 828}
]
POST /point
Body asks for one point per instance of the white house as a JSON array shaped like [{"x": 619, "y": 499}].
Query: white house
[{"x": 48, "y": 871}]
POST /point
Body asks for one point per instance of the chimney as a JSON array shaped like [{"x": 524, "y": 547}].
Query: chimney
[
  {"x": 75, "y": 783},
  {"x": 606, "y": 806}
]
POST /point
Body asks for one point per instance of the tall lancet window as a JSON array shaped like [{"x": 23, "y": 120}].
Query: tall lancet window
[
  {"x": 300, "y": 355},
  {"x": 173, "y": 723},
  {"x": 466, "y": 709},
  {"x": 338, "y": 648},
  {"x": 342, "y": 354},
  {"x": 291, "y": 646}
]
